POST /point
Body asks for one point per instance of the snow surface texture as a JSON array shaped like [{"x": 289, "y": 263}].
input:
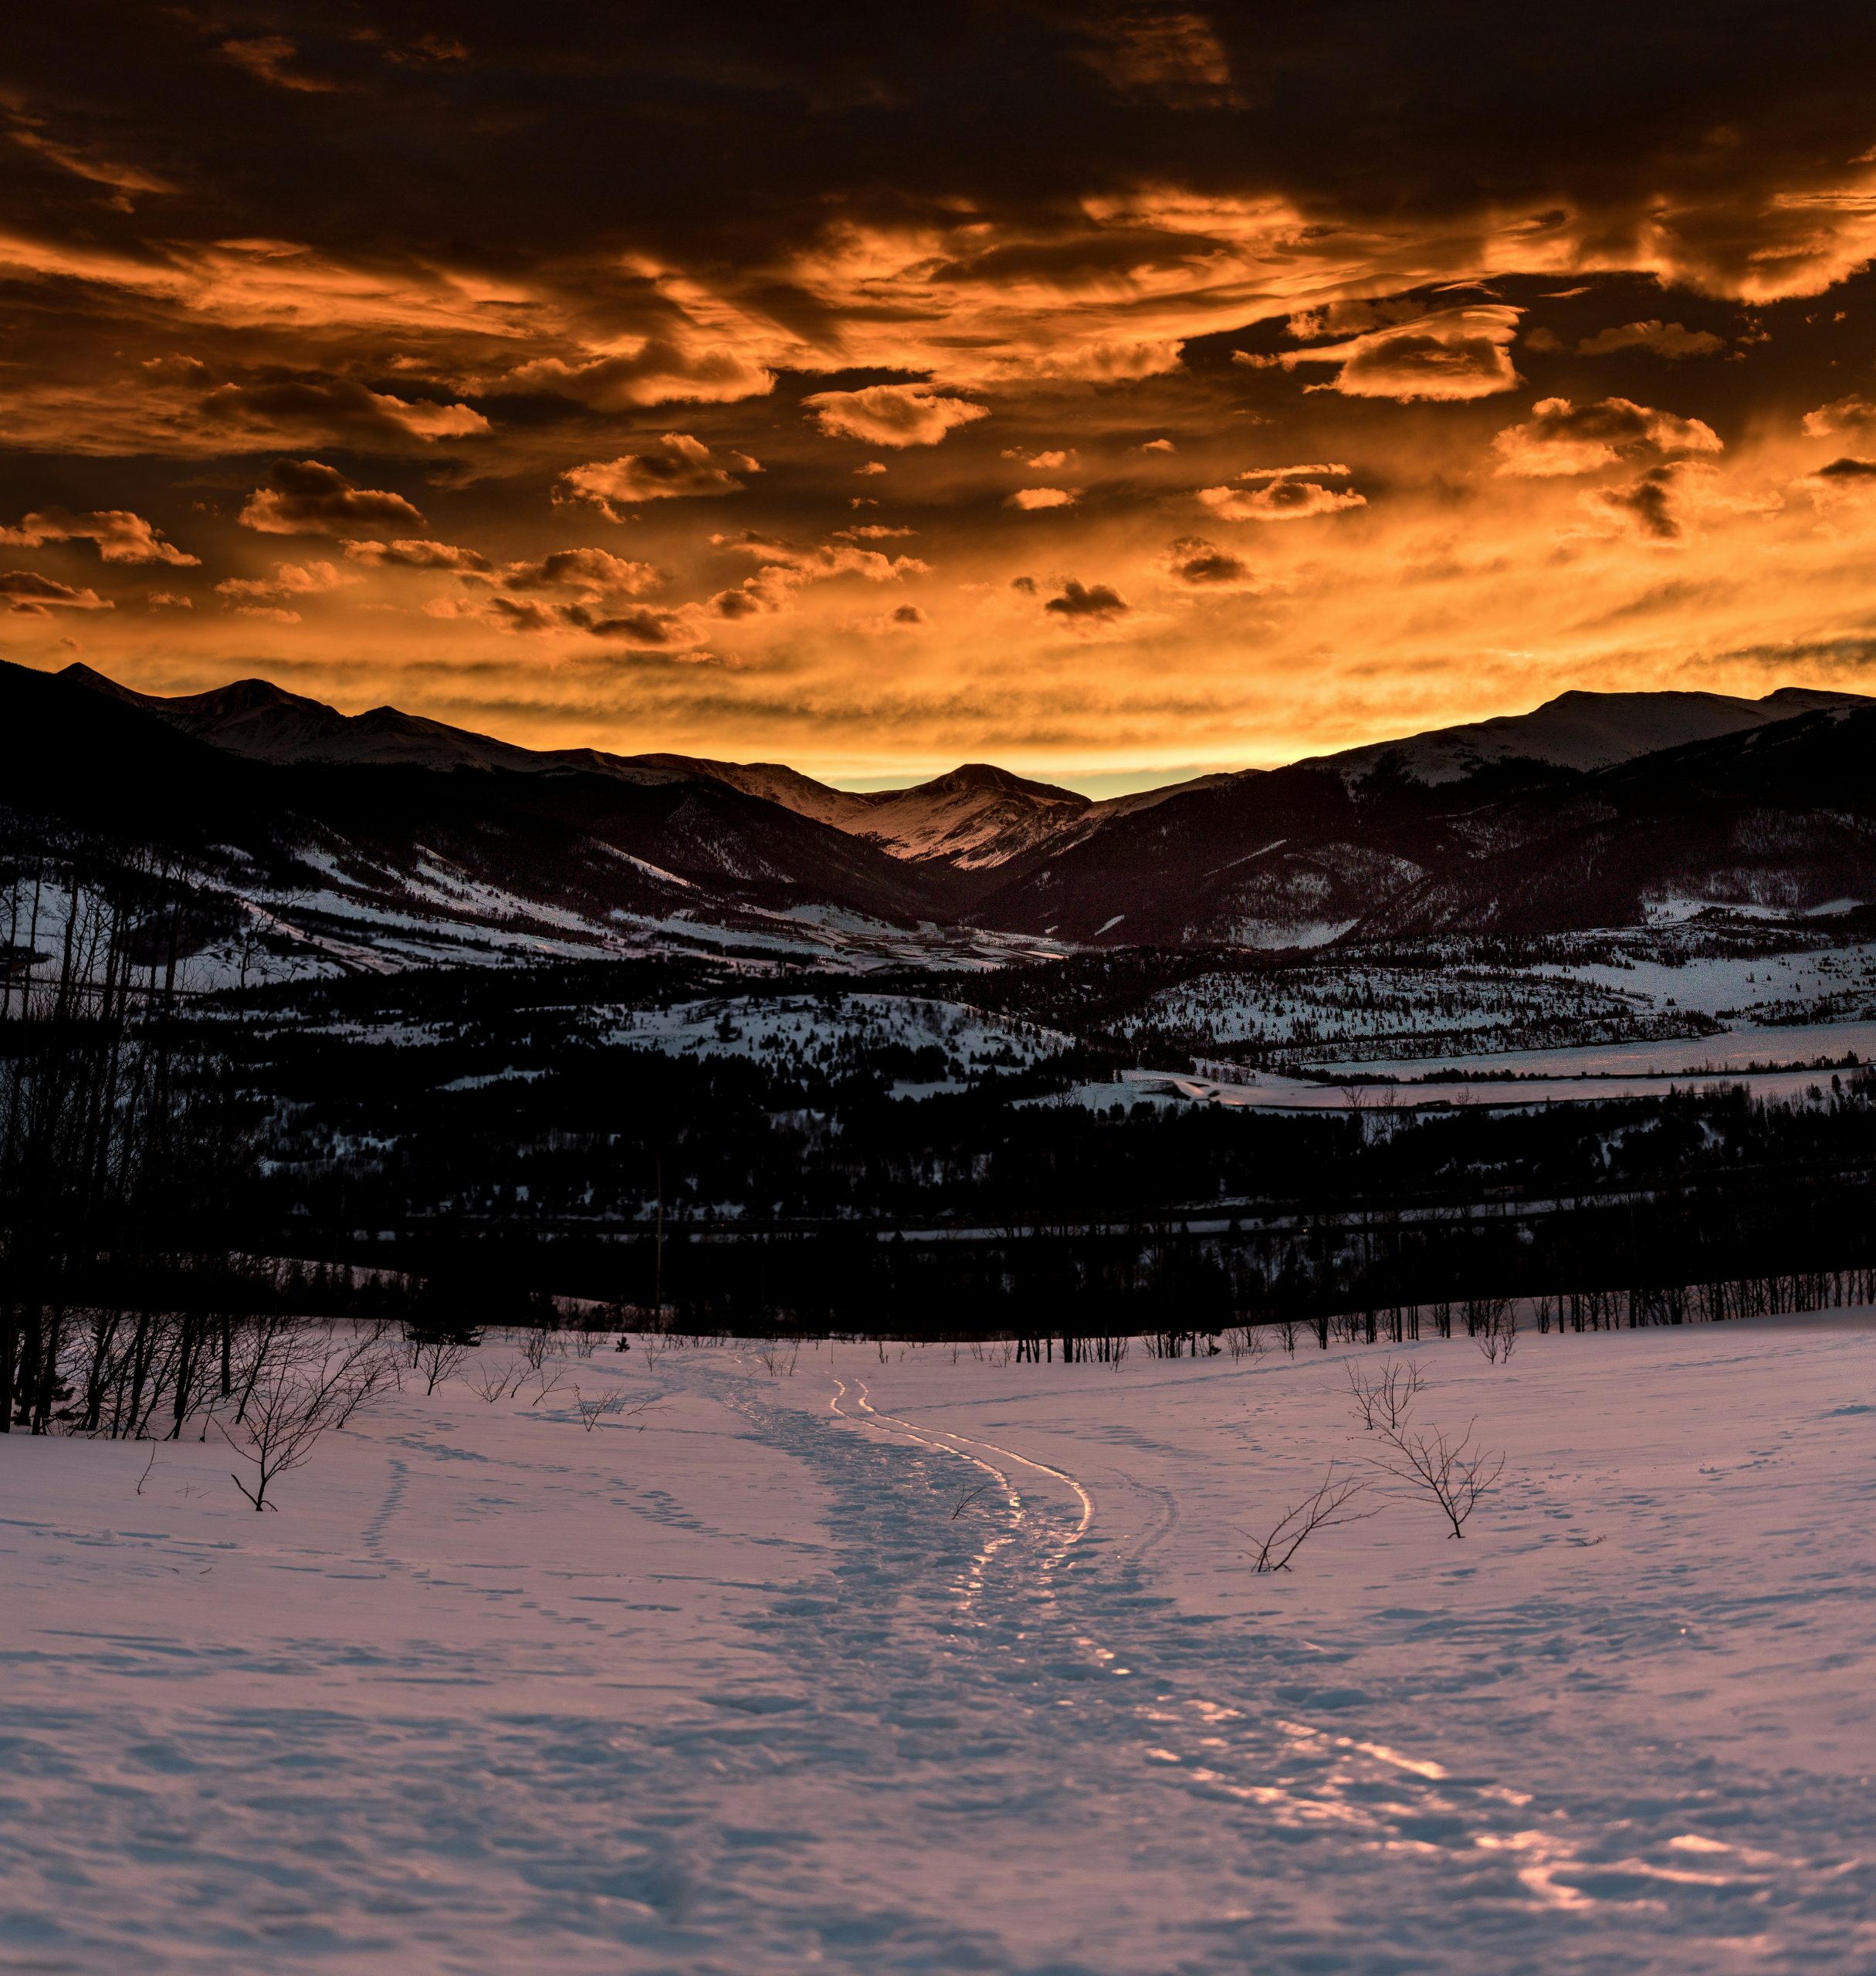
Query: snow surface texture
[{"x": 753, "y": 1681}]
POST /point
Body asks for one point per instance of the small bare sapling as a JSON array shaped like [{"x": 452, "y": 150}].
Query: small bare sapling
[
  {"x": 437, "y": 1351},
  {"x": 1383, "y": 1399},
  {"x": 1324, "y": 1509},
  {"x": 503, "y": 1382},
  {"x": 605, "y": 1406},
  {"x": 311, "y": 1382},
  {"x": 1455, "y": 1473}
]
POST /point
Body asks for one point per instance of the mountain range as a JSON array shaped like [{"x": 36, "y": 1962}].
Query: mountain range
[{"x": 385, "y": 838}]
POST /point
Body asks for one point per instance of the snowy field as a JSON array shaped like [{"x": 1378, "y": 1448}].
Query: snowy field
[
  {"x": 934, "y": 1663},
  {"x": 1731, "y": 1050}
]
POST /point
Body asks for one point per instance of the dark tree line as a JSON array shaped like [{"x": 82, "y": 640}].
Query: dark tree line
[{"x": 124, "y": 1154}]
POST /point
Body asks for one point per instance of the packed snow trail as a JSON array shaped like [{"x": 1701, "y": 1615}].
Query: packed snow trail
[{"x": 960, "y": 1674}]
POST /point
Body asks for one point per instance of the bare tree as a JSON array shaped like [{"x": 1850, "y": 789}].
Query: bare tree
[
  {"x": 1455, "y": 1473},
  {"x": 1324, "y": 1509},
  {"x": 1383, "y": 1399},
  {"x": 1247, "y": 1341},
  {"x": 311, "y": 1384}
]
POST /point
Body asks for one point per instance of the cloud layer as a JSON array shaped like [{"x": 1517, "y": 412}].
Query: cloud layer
[{"x": 939, "y": 386}]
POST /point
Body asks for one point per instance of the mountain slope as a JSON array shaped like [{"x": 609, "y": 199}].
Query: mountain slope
[
  {"x": 1388, "y": 840},
  {"x": 1571, "y": 816},
  {"x": 1780, "y": 818},
  {"x": 974, "y": 818},
  {"x": 388, "y": 851},
  {"x": 1579, "y": 730}
]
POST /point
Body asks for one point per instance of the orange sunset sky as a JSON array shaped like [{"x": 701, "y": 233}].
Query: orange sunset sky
[{"x": 1110, "y": 392}]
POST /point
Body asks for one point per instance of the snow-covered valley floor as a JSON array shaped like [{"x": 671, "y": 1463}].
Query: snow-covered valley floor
[{"x": 939, "y": 1664}]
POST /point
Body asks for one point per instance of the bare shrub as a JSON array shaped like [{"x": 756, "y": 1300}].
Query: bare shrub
[
  {"x": 1246, "y": 1341},
  {"x": 310, "y": 1383},
  {"x": 1383, "y": 1399},
  {"x": 437, "y": 1350},
  {"x": 777, "y": 1357},
  {"x": 605, "y": 1406},
  {"x": 503, "y": 1382},
  {"x": 1324, "y": 1509},
  {"x": 1455, "y": 1473},
  {"x": 1498, "y": 1340}
]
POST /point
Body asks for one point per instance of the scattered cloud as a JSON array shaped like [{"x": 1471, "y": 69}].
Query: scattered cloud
[
  {"x": 1664, "y": 339},
  {"x": 314, "y": 411},
  {"x": 265, "y": 56},
  {"x": 658, "y": 371},
  {"x": 787, "y": 567},
  {"x": 289, "y": 580},
  {"x": 1201, "y": 565},
  {"x": 1329, "y": 469},
  {"x": 892, "y": 414},
  {"x": 119, "y": 536},
  {"x": 682, "y": 469},
  {"x": 1087, "y": 602},
  {"x": 307, "y": 497},
  {"x": 594, "y": 571},
  {"x": 1171, "y": 55},
  {"x": 1648, "y": 503},
  {"x": 1032, "y": 497},
  {"x": 1279, "y": 501},
  {"x": 411, "y": 554},
  {"x": 1855, "y": 413},
  {"x": 1045, "y": 463},
  {"x": 27, "y": 593},
  {"x": 1560, "y": 437},
  {"x": 1453, "y": 354}
]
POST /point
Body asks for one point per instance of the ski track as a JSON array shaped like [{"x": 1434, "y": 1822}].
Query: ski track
[
  {"x": 1350, "y": 1845},
  {"x": 989, "y": 1744}
]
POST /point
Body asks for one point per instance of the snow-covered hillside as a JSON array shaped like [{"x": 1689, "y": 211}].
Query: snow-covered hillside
[
  {"x": 887, "y": 1659},
  {"x": 821, "y": 1031}
]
